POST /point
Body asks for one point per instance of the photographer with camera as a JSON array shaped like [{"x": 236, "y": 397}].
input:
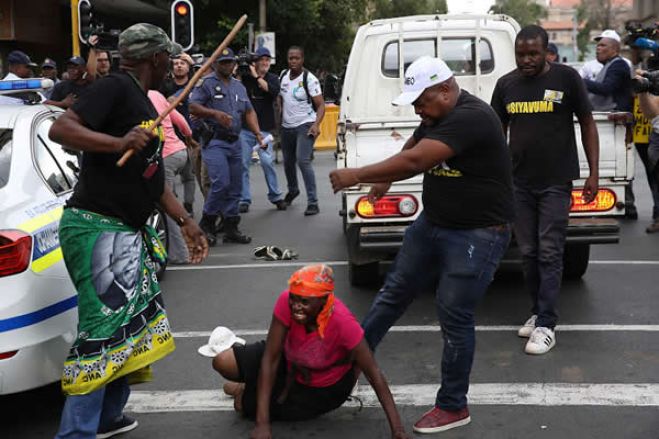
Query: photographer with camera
[{"x": 262, "y": 89}]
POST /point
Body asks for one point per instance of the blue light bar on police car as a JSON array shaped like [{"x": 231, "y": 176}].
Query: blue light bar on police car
[{"x": 25, "y": 84}]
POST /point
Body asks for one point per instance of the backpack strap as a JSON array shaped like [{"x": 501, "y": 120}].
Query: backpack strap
[
  {"x": 305, "y": 75},
  {"x": 282, "y": 74}
]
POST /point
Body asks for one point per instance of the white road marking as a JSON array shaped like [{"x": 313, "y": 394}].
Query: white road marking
[
  {"x": 436, "y": 328},
  {"x": 345, "y": 263},
  {"x": 534, "y": 394},
  {"x": 255, "y": 265}
]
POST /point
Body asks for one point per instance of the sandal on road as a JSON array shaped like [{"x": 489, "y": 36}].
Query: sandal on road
[{"x": 274, "y": 253}]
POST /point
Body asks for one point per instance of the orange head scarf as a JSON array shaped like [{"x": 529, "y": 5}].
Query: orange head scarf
[{"x": 315, "y": 281}]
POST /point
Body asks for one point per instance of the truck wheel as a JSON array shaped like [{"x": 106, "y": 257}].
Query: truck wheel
[
  {"x": 364, "y": 275},
  {"x": 575, "y": 260}
]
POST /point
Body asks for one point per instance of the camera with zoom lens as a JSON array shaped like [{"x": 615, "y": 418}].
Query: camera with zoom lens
[
  {"x": 649, "y": 83},
  {"x": 245, "y": 59},
  {"x": 107, "y": 39}
]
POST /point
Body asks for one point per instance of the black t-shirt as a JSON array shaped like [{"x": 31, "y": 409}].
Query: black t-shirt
[
  {"x": 64, "y": 88},
  {"x": 170, "y": 88},
  {"x": 114, "y": 105},
  {"x": 472, "y": 189},
  {"x": 263, "y": 101},
  {"x": 539, "y": 113}
]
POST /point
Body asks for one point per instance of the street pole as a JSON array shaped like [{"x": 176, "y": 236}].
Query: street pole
[
  {"x": 575, "y": 25},
  {"x": 74, "y": 28},
  {"x": 250, "y": 36},
  {"x": 262, "y": 15}
]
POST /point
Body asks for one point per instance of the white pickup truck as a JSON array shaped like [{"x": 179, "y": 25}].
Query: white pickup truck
[{"x": 479, "y": 49}]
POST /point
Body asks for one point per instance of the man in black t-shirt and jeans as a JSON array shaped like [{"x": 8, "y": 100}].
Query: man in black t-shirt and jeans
[
  {"x": 455, "y": 244},
  {"x": 537, "y": 102}
]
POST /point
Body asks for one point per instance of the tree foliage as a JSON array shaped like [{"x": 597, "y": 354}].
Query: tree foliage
[
  {"x": 399, "y": 8},
  {"x": 583, "y": 36},
  {"x": 325, "y": 28},
  {"x": 524, "y": 11}
]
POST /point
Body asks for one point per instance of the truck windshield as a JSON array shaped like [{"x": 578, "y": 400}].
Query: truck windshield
[
  {"x": 458, "y": 53},
  {"x": 5, "y": 155}
]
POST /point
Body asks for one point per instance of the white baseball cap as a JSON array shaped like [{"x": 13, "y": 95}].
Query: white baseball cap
[
  {"x": 221, "y": 339},
  {"x": 609, "y": 33},
  {"x": 421, "y": 74}
]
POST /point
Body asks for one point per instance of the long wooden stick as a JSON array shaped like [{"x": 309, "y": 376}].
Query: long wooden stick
[{"x": 197, "y": 76}]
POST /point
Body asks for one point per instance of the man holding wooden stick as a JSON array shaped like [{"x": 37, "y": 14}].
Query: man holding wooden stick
[{"x": 110, "y": 252}]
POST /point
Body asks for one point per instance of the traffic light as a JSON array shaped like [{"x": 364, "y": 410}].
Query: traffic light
[
  {"x": 183, "y": 23},
  {"x": 84, "y": 20}
]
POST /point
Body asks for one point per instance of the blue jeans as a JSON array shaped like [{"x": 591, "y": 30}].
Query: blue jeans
[
  {"x": 248, "y": 140},
  {"x": 542, "y": 216},
  {"x": 630, "y": 199},
  {"x": 225, "y": 170},
  {"x": 84, "y": 415},
  {"x": 459, "y": 264},
  {"x": 297, "y": 148}
]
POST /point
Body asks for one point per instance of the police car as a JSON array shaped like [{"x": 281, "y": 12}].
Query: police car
[{"x": 38, "y": 302}]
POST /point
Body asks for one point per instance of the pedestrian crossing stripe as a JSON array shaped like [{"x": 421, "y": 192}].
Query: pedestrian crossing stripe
[{"x": 510, "y": 394}]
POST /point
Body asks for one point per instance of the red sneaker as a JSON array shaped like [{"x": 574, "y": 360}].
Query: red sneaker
[{"x": 436, "y": 420}]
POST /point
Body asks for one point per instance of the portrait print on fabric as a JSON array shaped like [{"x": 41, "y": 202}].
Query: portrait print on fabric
[{"x": 116, "y": 267}]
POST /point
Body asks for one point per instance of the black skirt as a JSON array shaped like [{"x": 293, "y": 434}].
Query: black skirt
[{"x": 301, "y": 403}]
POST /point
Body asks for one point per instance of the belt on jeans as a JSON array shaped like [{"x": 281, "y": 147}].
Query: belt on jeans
[{"x": 226, "y": 137}]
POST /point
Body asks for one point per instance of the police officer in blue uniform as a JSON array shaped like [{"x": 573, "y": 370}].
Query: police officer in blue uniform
[{"x": 222, "y": 101}]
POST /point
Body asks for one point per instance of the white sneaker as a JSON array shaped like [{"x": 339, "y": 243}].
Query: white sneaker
[
  {"x": 528, "y": 327},
  {"x": 541, "y": 341}
]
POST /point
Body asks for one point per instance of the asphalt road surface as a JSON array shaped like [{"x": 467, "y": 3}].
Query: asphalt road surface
[{"x": 600, "y": 381}]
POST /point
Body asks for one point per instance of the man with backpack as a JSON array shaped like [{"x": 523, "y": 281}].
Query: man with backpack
[{"x": 302, "y": 106}]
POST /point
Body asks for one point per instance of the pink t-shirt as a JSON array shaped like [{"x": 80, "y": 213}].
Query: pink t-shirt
[
  {"x": 172, "y": 142},
  {"x": 315, "y": 357}
]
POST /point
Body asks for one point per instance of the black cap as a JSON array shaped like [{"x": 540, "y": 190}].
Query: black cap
[
  {"x": 18, "y": 57},
  {"x": 76, "y": 60},
  {"x": 552, "y": 48}
]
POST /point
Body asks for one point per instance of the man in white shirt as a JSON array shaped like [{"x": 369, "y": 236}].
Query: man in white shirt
[
  {"x": 303, "y": 108},
  {"x": 20, "y": 65}
]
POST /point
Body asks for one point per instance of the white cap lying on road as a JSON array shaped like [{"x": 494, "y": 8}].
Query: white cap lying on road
[
  {"x": 609, "y": 33},
  {"x": 221, "y": 339},
  {"x": 420, "y": 75}
]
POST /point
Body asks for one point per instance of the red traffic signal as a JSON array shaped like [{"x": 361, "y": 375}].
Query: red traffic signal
[
  {"x": 182, "y": 9},
  {"x": 182, "y": 23}
]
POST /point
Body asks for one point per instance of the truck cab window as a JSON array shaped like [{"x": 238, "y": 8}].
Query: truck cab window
[{"x": 458, "y": 53}]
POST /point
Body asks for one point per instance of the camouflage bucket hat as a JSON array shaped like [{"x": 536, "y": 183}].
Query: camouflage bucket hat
[{"x": 143, "y": 39}]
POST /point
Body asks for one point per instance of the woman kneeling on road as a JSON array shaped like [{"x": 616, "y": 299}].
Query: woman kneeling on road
[{"x": 322, "y": 346}]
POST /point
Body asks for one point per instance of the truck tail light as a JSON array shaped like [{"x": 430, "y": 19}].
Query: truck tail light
[
  {"x": 15, "y": 252},
  {"x": 387, "y": 206},
  {"x": 605, "y": 200}
]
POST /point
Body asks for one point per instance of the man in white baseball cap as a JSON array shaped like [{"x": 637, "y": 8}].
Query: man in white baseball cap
[
  {"x": 423, "y": 73},
  {"x": 611, "y": 89},
  {"x": 460, "y": 148}
]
